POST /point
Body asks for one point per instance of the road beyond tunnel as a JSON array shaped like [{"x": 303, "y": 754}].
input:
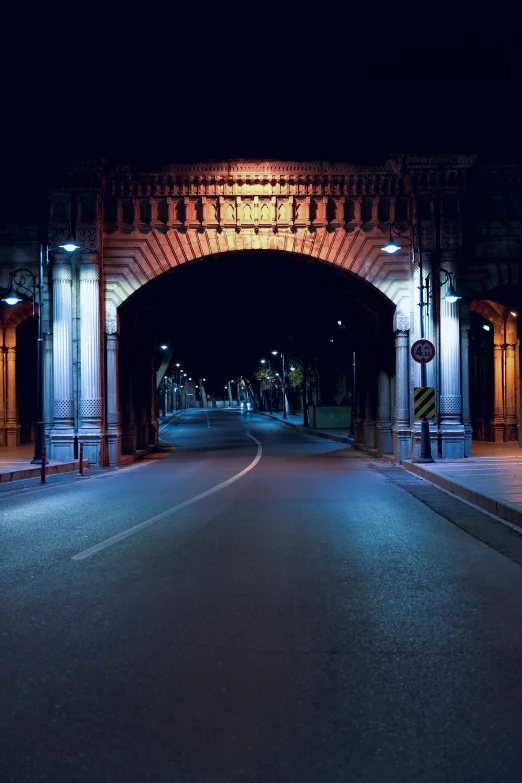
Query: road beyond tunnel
[{"x": 253, "y": 603}]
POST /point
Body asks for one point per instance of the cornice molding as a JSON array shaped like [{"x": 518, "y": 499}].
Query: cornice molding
[{"x": 262, "y": 168}]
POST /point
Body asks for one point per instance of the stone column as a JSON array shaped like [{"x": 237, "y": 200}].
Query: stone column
[
  {"x": 48, "y": 386},
  {"x": 510, "y": 393},
  {"x": 113, "y": 401},
  {"x": 496, "y": 427},
  {"x": 129, "y": 421},
  {"x": 401, "y": 427},
  {"x": 3, "y": 395},
  {"x": 62, "y": 446},
  {"x": 153, "y": 432},
  {"x": 464, "y": 356},
  {"x": 451, "y": 428},
  {"x": 90, "y": 430},
  {"x": 12, "y": 426},
  {"x": 384, "y": 435}
]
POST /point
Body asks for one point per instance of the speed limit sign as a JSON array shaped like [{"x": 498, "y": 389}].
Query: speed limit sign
[{"x": 423, "y": 351}]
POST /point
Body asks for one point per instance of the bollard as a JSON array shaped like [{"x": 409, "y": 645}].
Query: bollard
[
  {"x": 75, "y": 447},
  {"x": 43, "y": 480},
  {"x": 81, "y": 459}
]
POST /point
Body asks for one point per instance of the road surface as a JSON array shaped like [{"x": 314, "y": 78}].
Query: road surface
[{"x": 255, "y": 604}]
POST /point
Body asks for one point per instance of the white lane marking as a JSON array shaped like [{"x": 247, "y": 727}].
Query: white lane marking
[{"x": 136, "y": 529}]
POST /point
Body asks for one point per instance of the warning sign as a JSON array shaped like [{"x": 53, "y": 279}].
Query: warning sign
[
  {"x": 424, "y": 402},
  {"x": 423, "y": 351}
]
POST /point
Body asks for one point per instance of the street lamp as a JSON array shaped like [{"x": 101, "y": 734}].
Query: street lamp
[
  {"x": 274, "y": 353},
  {"x": 264, "y": 361},
  {"x": 451, "y": 296}
]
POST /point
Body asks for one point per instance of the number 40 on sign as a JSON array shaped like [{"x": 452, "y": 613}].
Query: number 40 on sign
[{"x": 423, "y": 351}]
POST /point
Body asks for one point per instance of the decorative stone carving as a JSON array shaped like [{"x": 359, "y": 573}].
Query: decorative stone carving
[
  {"x": 428, "y": 235},
  {"x": 89, "y": 273},
  {"x": 111, "y": 318},
  {"x": 90, "y": 408},
  {"x": 401, "y": 322},
  {"x": 451, "y": 236},
  {"x": 62, "y": 409},
  {"x": 87, "y": 237},
  {"x": 57, "y": 231},
  {"x": 62, "y": 273},
  {"x": 450, "y": 403}
]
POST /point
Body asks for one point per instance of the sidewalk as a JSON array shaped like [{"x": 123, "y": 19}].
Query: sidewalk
[
  {"x": 342, "y": 435},
  {"x": 491, "y": 479},
  {"x": 15, "y": 461},
  {"x": 15, "y": 464}
]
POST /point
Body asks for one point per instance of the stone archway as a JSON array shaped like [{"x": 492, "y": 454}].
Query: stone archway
[
  {"x": 157, "y": 221},
  {"x": 503, "y": 409}
]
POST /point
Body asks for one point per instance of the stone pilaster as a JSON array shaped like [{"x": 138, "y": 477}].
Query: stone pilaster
[
  {"x": 451, "y": 429},
  {"x": 153, "y": 433},
  {"x": 401, "y": 430},
  {"x": 464, "y": 357},
  {"x": 63, "y": 410},
  {"x": 12, "y": 426},
  {"x": 496, "y": 426},
  {"x": 3, "y": 394},
  {"x": 90, "y": 407},
  {"x": 384, "y": 434},
  {"x": 113, "y": 401},
  {"x": 128, "y": 442},
  {"x": 510, "y": 379}
]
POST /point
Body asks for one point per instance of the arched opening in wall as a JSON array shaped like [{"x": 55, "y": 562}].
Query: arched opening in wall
[
  {"x": 494, "y": 365},
  {"x": 219, "y": 316}
]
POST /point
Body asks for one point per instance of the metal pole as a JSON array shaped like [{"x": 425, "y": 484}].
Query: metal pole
[
  {"x": 284, "y": 386},
  {"x": 39, "y": 436},
  {"x": 305, "y": 400},
  {"x": 43, "y": 480},
  {"x": 354, "y": 398},
  {"x": 80, "y": 467},
  {"x": 270, "y": 395},
  {"x": 425, "y": 444}
]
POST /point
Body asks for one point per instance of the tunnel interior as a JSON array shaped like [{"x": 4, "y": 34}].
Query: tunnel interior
[{"x": 222, "y": 314}]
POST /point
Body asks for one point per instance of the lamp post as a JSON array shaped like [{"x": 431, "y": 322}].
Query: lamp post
[
  {"x": 415, "y": 241},
  {"x": 284, "y": 381},
  {"x": 264, "y": 361}
]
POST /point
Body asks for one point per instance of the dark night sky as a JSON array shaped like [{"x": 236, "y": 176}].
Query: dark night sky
[
  {"x": 125, "y": 104},
  {"x": 146, "y": 99}
]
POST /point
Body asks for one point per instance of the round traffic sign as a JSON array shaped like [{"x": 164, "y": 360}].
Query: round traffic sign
[{"x": 423, "y": 351}]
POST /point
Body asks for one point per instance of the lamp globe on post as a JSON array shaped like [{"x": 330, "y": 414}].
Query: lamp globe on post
[
  {"x": 391, "y": 246},
  {"x": 69, "y": 244}
]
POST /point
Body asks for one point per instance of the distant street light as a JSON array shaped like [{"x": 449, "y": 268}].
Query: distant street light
[{"x": 274, "y": 353}]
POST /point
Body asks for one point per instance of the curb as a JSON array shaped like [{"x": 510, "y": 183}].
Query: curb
[
  {"x": 25, "y": 473},
  {"x": 497, "y": 507},
  {"x": 300, "y": 428}
]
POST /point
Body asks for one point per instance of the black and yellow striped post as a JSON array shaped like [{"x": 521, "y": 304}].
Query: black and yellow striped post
[{"x": 424, "y": 402}]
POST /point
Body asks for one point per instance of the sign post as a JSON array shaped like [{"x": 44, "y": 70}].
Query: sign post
[{"x": 423, "y": 351}]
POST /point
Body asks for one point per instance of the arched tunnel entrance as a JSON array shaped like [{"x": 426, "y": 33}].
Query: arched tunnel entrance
[
  {"x": 494, "y": 364},
  {"x": 219, "y": 316}
]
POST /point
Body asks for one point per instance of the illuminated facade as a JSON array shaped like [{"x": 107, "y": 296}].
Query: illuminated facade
[{"x": 133, "y": 227}]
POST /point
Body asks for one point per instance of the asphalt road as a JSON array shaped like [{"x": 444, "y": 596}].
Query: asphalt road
[{"x": 311, "y": 620}]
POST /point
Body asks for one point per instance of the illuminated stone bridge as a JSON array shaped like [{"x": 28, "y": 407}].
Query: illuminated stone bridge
[{"x": 135, "y": 226}]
